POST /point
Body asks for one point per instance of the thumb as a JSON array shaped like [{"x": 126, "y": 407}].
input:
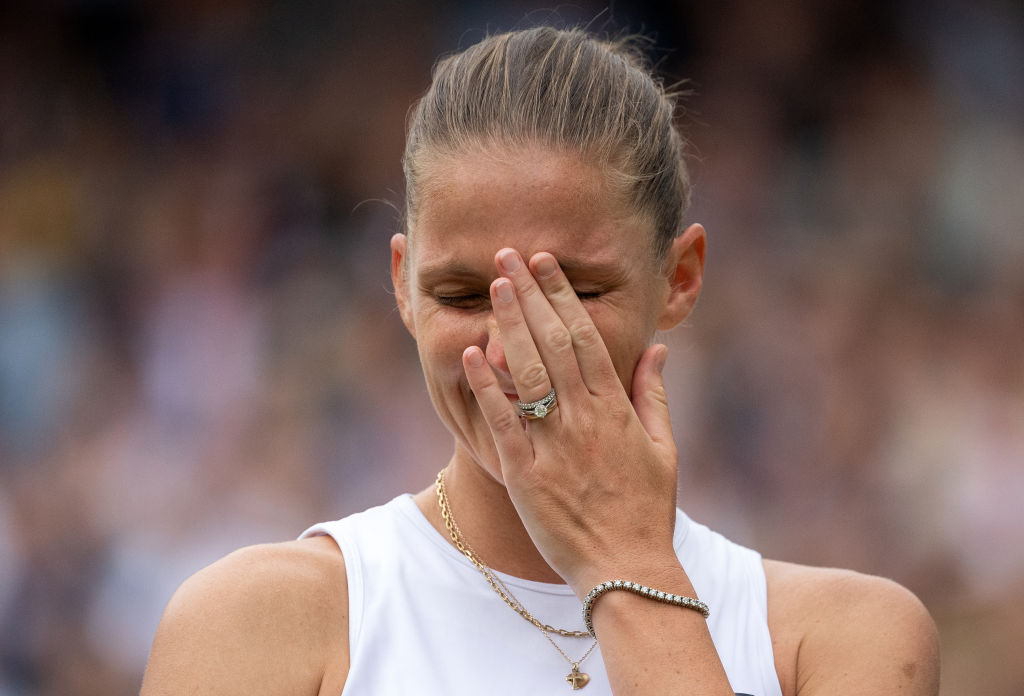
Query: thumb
[{"x": 649, "y": 398}]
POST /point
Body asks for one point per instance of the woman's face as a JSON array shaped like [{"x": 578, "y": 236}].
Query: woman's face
[{"x": 536, "y": 200}]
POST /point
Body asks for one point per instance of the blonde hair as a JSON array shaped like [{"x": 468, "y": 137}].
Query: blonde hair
[{"x": 565, "y": 89}]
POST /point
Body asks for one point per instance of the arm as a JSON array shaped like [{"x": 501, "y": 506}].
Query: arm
[
  {"x": 264, "y": 620},
  {"x": 840, "y": 632},
  {"x": 654, "y": 648},
  {"x": 594, "y": 481}
]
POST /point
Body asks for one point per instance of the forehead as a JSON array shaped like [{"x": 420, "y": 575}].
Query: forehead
[{"x": 530, "y": 199}]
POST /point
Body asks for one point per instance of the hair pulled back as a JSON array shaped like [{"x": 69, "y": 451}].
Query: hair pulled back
[{"x": 565, "y": 89}]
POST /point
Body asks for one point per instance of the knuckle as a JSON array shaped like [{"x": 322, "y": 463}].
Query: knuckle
[
  {"x": 534, "y": 376},
  {"x": 505, "y": 421},
  {"x": 660, "y": 395},
  {"x": 563, "y": 292},
  {"x": 509, "y": 320},
  {"x": 620, "y": 413},
  {"x": 560, "y": 339},
  {"x": 586, "y": 335},
  {"x": 527, "y": 290},
  {"x": 588, "y": 428},
  {"x": 606, "y": 375}
]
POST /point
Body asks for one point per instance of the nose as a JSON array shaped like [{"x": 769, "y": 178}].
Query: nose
[{"x": 495, "y": 353}]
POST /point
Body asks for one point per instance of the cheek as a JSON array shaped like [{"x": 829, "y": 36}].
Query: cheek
[
  {"x": 626, "y": 340},
  {"x": 443, "y": 337}
]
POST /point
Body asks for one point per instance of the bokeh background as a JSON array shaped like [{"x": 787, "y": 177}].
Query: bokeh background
[{"x": 199, "y": 351}]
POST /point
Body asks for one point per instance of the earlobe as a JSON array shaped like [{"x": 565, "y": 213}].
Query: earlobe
[
  {"x": 684, "y": 271},
  {"x": 399, "y": 278}
]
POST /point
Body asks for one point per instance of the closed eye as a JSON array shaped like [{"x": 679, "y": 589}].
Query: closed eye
[
  {"x": 475, "y": 300},
  {"x": 468, "y": 301}
]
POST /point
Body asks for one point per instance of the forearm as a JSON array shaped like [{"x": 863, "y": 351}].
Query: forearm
[{"x": 650, "y": 647}]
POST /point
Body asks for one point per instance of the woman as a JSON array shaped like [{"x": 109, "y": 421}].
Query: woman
[{"x": 544, "y": 246}]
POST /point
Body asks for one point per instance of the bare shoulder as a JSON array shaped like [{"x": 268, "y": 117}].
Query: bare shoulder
[
  {"x": 270, "y": 619},
  {"x": 838, "y": 631}
]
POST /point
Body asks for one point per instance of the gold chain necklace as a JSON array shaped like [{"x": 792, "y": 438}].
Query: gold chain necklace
[{"x": 576, "y": 678}]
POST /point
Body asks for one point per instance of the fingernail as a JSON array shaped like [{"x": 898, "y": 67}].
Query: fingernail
[
  {"x": 474, "y": 357},
  {"x": 545, "y": 266},
  {"x": 509, "y": 261},
  {"x": 505, "y": 292},
  {"x": 662, "y": 358}
]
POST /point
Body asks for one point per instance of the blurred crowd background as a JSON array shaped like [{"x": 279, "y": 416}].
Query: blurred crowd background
[{"x": 199, "y": 351}]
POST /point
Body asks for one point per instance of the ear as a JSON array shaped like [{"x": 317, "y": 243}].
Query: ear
[
  {"x": 400, "y": 278},
  {"x": 684, "y": 271}
]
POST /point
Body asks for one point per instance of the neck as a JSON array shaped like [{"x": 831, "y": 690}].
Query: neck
[{"x": 487, "y": 518}]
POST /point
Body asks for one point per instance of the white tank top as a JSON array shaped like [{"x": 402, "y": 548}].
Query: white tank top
[{"x": 423, "y": 620}]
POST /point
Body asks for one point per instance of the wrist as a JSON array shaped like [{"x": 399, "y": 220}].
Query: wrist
[
  {"x": 642, "y": 591},
  {"x": 662, "y": 573}
]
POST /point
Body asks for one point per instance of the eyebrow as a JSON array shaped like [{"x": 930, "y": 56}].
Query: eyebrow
[
  {"x": 428, "y": 275},
  {"x": 573, "y": 268},
  {"x": 603, "y": 270}
]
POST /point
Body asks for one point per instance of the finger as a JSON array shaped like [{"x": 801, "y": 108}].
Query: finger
[
  {"x": 551, "y": 338},
  {"x": 591, "y": 354},
  {"x": 524, "y": 362},
  {"x": 510, "y": 439},
  {"x": 650, "y": 400}
]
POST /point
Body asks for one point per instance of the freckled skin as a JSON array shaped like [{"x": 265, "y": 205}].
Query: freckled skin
[{"x": 534, "y": 200}]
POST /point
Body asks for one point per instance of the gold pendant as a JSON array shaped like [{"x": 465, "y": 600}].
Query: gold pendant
[{"x": 576, "y": 678}]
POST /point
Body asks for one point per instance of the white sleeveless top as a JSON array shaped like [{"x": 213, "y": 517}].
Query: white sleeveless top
[{"x": 423, "y": 620}]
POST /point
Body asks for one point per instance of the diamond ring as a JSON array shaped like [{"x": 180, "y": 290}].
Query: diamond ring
[{"x": 537, "y": 409}]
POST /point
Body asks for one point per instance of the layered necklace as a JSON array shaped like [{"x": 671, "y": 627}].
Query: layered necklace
[{"x": 575, "y": 678}]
